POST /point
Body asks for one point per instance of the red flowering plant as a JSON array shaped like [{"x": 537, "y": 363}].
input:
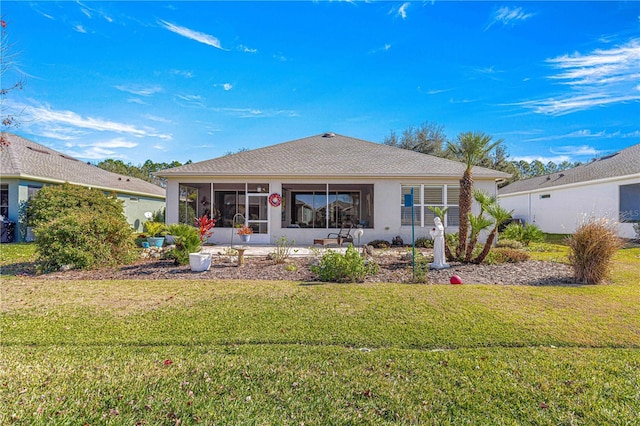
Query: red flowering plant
[{"x": 205, "y": 227}]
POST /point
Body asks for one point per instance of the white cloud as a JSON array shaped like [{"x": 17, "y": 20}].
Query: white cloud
[
  {"x": 140, "y": 90},
  {"x": 599, "y": 78},
  {"x": 186, "y": 74},
  {"x": 509, "y": 16},
  {"x": 384, "y": 48},
  {"x": 544, "y": 160},
  {"x": 402, "y": 10},
  {"x": 192, "y": 34},
  {"x": 113, "y": 143},
  {"x": 94, "y": 153},
  {"x": 246, "y": 49},
  {"x": 136, "y": 101},
  {"x": 574, "y": 150},
  {"x": 157, "y": 118},
  {"x": 227, "y": 86},
  {"x": 79, "y": 28},
  {"x": 66, "y": 125}
]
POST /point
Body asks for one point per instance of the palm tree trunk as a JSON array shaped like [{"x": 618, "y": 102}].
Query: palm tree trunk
[
  {"x": 466, "y": 197},
  {"x": 487, "y": 246}
]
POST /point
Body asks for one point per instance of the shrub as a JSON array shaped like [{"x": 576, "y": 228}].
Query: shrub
[
  {"x": 283, "y": 249},
  {"x": 380, "y": 244},
  {"x": 525, "y": 234},
  {"x": 79, "y": 227},
  {"x": 513, "y": 244},
  {"x": 187, "y": 240},
  {"x": 591, "y": 250},
  {"x": 84, "y": 240},
  {"x": 506, "y": 255},
  {"x": 348, "y": 267},
  {"x": 155, "y": 229},
  {"x": 420, "y": 268},
  {"x": 55, "y": 201},
  {"x": 424, "y": 242}
]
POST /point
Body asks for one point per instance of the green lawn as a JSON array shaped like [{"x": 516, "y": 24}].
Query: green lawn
[{"x": 233, "y": 352}]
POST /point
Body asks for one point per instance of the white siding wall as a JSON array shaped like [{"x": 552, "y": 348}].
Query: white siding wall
[
  {"x": 566, "y": 207},
  {"x": 386, "y": 215}
]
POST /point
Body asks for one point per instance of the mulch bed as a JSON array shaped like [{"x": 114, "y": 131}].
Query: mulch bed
[{"x": 395, "y": 266}]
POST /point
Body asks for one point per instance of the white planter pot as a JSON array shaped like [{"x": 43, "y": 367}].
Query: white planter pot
[{"x": 200, "y": 262}]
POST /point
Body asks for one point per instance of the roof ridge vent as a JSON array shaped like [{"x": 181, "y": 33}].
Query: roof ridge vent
[{"x": 329, "y": 135}]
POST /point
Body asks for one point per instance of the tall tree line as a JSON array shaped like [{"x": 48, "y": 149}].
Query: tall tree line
[
  {"x": 429, "y": 138},
  {"x": 143, "y": 171}
]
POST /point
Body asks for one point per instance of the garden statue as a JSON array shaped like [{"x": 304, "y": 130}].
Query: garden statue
[{"x": 437, "y": 234}]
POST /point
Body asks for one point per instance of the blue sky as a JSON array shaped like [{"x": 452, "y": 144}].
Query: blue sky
[{"x": 194, "y": 80}]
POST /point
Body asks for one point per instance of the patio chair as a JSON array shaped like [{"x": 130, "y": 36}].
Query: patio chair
[{"x": 344, "y": 235}]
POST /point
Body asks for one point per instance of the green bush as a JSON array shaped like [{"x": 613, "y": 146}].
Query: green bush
[
  {"x": 155, "y": 229},
  {"x": 52, "y": 202},
  {"x": 424, "y": 242},
  {"x": 420, "y": 268},
  {"x": 591, "y": 250},
  {"x": 526, "y": 234},
  {"x": 507, "y": 243},
  {"x": 340, "y": 268},
  {"x": 187, "y": 240},
  {"x": 283, "y": 249},
  {"x": 380, "y": 244},
  {"x": 506, "y": 255},
  {"x": 84, "y": 240},
  {"x": 79, "y": 227}
]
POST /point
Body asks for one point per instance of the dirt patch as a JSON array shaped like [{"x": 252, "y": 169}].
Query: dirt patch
[{"x": 395, "y": 266}]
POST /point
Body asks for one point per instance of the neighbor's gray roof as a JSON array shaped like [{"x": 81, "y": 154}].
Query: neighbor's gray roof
[
  {"x": 330, "y": 155},
  {"x": 622, "y": 163},
  {"x": 29, "y": 160}
]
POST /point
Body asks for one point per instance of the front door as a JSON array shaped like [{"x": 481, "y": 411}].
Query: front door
[{"x": 258, "y": 217}]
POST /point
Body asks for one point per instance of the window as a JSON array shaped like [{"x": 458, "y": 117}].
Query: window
[
  {"x": 327, "y": 206},
  {"x": 4, "y": 200},
  {"x": 630, "y": 203},
  {"x": 425, "y": 196}
]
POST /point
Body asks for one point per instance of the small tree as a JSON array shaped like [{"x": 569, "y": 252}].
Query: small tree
[
  {"x": 499, "y": 215},
  {"x": 471, "y": 149},
  {"x": 7, "y": 119},
  {"x": 477, "y": 224}
]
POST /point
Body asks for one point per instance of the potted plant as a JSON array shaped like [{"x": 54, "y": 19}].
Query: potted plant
[
  {"x": 156, "y": 231},
  {"x": 202, "y": 261},
  {"x": 245, "y": 233}
]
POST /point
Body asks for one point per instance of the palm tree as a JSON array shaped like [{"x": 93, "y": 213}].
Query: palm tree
[
  {"x": 477, "y": 224},
  {"x": 471, "y": 149},
  {"x": 499, "y": 215},
  {"x": 483, "y": 199}
]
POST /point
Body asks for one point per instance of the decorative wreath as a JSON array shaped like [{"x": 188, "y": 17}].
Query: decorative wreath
[{"x": 275, "y": 199}]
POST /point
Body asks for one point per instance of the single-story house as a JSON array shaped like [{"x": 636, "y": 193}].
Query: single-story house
[
  {"x": 307, "y": 188},
  {"x": 27, "y": 166},
  {"x": 608, "y": 187}
]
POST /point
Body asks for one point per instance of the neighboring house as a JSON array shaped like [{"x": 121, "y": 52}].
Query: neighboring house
[
  {"x": 307, "y": 188},
  {"x": 608, "y": 187},
  {"x": 26, "y": 166}
]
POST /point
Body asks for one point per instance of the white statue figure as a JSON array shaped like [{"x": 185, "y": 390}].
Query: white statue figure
[{"x": 437, "y": 233}]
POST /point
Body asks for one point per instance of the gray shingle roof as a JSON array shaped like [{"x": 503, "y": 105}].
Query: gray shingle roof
[
  {"x": 334, "y": 156},
  {"x": 26, "y": 159},
  {"x": 622, "y": 163}
]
